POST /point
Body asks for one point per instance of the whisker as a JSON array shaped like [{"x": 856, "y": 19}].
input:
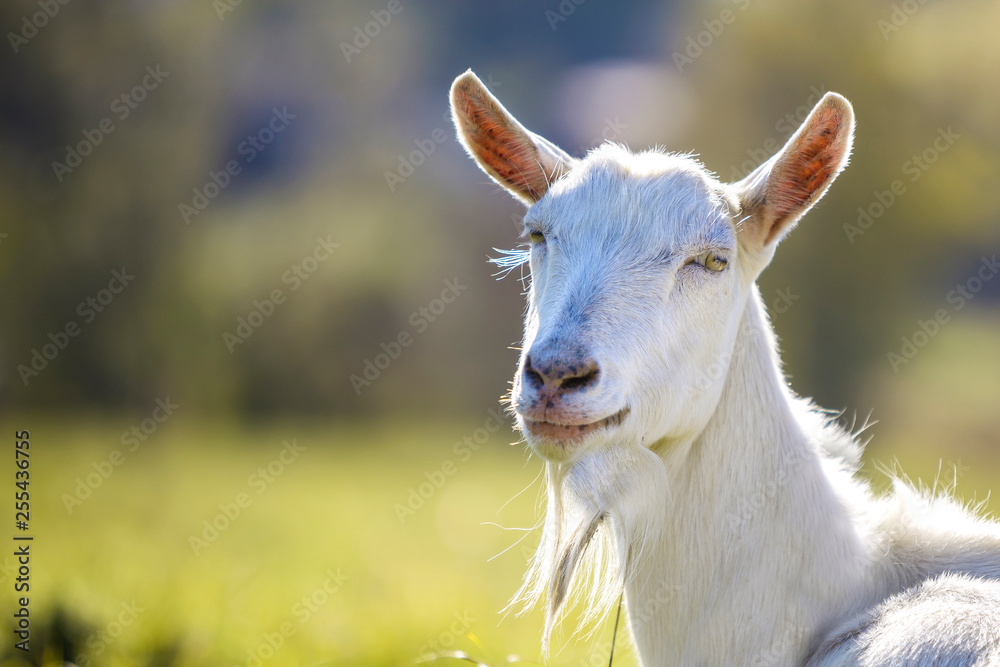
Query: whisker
[
  {"x": 509, "y": 528},
  {"x": 530, "y": 484}
]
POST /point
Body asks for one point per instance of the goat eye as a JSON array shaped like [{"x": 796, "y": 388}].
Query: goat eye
[
  {"x": 536, "y": 236},
  {"x": 714, "y": 262},
  {"x": 711, "y": 260}
]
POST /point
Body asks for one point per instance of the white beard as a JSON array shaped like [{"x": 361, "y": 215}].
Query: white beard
[{"x": 604, "y": 515}]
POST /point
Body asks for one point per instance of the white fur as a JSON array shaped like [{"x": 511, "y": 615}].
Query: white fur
[{"x": 726, "y": 507}]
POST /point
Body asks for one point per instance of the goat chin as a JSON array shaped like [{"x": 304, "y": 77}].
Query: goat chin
[{"x": 598, "y": 527}]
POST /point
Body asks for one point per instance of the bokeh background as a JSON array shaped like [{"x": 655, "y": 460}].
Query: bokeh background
[{"x": 281, "y": 182}]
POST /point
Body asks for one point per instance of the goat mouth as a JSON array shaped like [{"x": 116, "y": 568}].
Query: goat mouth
[{"x": 566, "y": 433}]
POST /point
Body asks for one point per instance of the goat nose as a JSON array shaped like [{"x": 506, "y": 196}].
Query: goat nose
[{"x": 558, "y": 375}]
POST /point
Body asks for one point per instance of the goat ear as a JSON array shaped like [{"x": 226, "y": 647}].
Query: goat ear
[
  {"x": 776, "y": 194},
  {"x": 519, "y": 160}
]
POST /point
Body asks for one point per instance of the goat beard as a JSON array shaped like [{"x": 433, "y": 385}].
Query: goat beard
[{"x": 603, "y": 518}]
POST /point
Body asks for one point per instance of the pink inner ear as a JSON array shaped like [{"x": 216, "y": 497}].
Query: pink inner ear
[
  {"x": 502, "y": 149},
  {"x": 804, "y": 174}
]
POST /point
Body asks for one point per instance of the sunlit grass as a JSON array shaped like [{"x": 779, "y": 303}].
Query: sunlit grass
[{"x": 401, "y": 589}]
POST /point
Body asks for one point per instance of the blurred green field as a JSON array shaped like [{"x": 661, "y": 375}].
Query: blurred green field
[{"x": 326, "y": 523}]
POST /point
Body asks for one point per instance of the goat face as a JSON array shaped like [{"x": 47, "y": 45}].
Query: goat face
[
  {"x": 640, "y": 266},
  {"x": 633, "y": 302}
]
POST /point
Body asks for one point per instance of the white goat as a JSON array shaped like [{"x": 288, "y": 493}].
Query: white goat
[{"x": 677, "y": 458}]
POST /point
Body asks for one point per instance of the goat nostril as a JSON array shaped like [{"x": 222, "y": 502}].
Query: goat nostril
[
  {"x": 558, "y": 376},
  {"x": 580, "y": 378},
  {"x": 533, "y": 377}
]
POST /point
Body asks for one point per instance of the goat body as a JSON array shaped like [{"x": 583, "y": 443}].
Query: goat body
[{"x": 679, "y": 463}]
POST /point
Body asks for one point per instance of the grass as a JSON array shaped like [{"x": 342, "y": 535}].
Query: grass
[{"x": 318, "y": 563}]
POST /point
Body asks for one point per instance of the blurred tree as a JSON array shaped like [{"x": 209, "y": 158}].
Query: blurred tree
[{"x": 259, "y": 199}]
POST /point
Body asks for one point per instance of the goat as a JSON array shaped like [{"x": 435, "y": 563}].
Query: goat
[{"x": 680, "y": 467}]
